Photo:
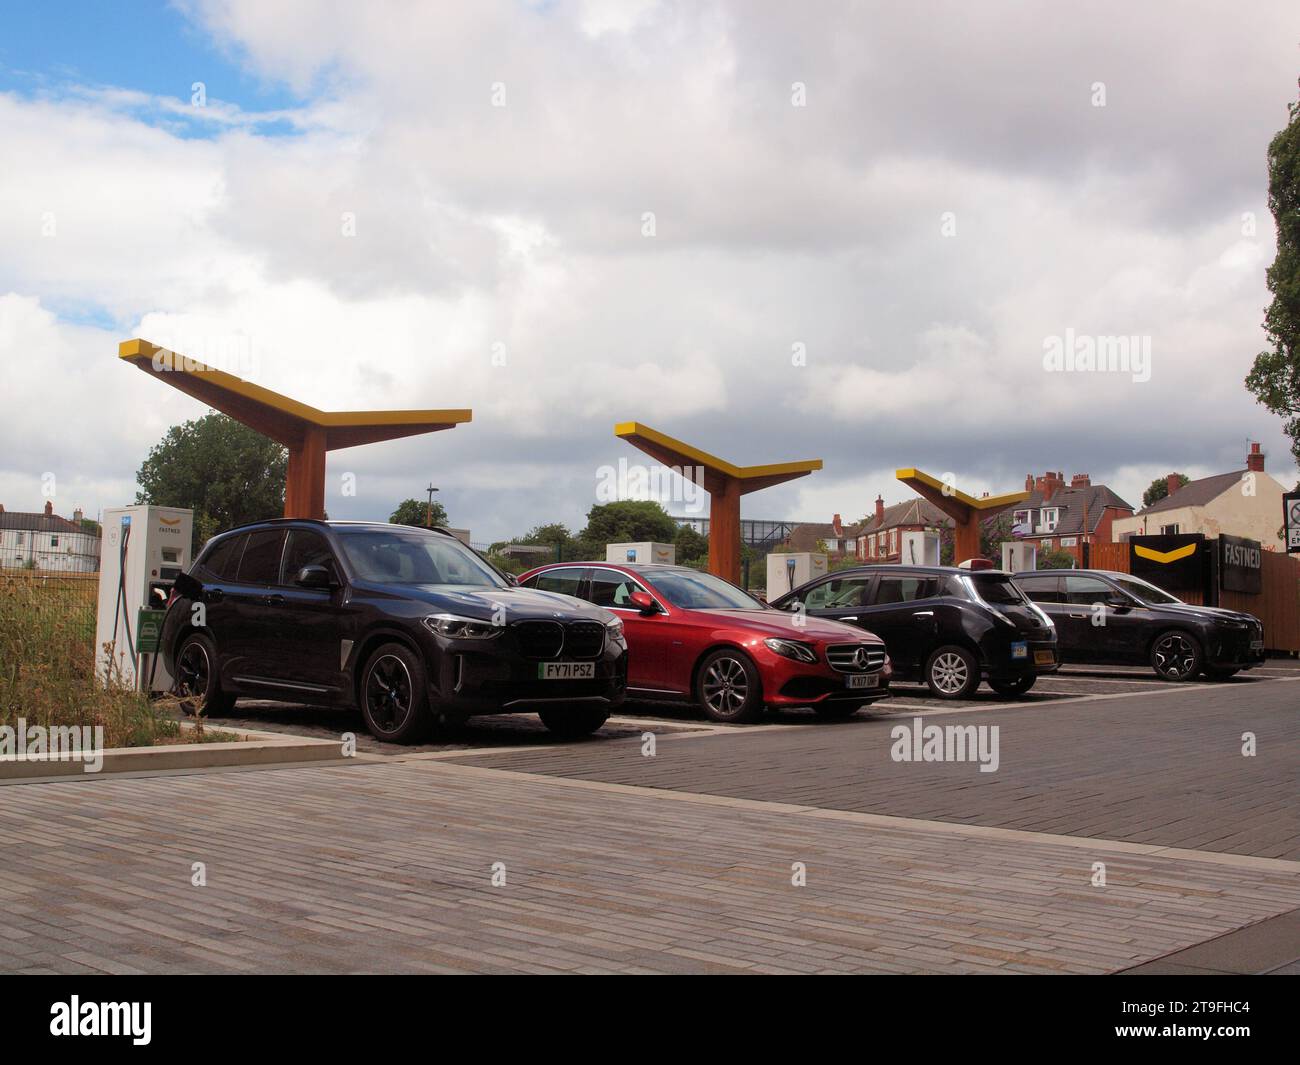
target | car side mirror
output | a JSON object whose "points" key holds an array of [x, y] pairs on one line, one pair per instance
{"points": [[314, 577], [644, 602], [512, 580]]}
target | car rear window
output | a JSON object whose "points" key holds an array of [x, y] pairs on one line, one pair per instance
{"points": [[261, 561], [222, 560], [1041, 589], [1000, 589], [564, 581]]}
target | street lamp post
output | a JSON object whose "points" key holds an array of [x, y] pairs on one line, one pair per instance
{"points": [[428, 510]]}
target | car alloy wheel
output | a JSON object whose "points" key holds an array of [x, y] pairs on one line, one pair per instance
{"points": [[193, 671], [950, 673], [389, 693], [726, 686], [1175, 656]]}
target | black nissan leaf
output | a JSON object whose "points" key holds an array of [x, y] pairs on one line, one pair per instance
{"points": [[943, 625], [408, 625]]}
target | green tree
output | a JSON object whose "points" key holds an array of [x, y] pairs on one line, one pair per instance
{"points": [[415, 512], [224, 471], [1055, 558], [628, 521], [692, 547], [1275, 376], [1159, 488], [554, 533]]}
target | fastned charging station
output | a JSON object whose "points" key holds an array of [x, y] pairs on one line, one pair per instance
{"points": [[145, 549]]}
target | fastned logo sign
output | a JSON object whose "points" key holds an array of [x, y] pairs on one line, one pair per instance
{"points": [[1176, 563], [1241, 563]]}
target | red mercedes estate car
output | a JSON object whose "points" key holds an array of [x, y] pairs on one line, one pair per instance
{"points": [[693, 636]]}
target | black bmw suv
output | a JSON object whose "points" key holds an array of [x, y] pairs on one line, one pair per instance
{"points": [[408, 625], [946, 626], [1109, 617]]}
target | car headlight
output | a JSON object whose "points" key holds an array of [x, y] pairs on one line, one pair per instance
{"points": [[1230, 624], [800, 652], [458, 628], [614, 626]]}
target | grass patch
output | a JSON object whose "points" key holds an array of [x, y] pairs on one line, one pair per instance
{"points": [[47, 658]]}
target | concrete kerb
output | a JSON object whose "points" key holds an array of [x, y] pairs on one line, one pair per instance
{"points": [[252, 749]]}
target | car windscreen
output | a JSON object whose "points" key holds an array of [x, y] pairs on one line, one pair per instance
{"points": [[410, 556], [1147, 593], [701, 591], [997, 590]]}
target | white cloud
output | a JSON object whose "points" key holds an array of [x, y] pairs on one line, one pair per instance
{"points": [[516, 230]]}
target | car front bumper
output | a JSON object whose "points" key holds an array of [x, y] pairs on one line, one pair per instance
{"points": [[470, 677], [787, 682], [1235, 648]]}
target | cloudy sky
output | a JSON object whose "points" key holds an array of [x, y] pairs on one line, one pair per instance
{"points": [[847, 231]]}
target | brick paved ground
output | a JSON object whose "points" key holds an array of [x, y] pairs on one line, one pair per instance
{"points": [[1164, 768], [683, 862], [385, 866]]}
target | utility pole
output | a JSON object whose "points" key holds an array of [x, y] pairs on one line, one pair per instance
{"points": [[428, 510]]}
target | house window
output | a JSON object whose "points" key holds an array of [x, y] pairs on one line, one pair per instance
{"points": [[1169, 530], [1069, 541], [1051, 515], [54, 541], [893, 541], [20, 541]]}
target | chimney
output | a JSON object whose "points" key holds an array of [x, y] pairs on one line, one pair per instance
{"points": [[77, 515], [1255, 460], [49, 508], [1029, 482], [1173, 482], [1081, 480], [2, 508], [837, 526], [1048, 484], [880, 511]]}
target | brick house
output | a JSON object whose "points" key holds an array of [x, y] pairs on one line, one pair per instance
{"points": [[841, 541], [880, 536], [1058, 515]]}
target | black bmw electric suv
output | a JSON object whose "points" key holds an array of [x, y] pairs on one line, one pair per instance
{"points": [[1108, 617], [408, 625], [946, 626]]}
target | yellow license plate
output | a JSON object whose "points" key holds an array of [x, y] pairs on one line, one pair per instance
{"points": [[1044, 658]]}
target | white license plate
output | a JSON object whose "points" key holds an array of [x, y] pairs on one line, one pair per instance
{"points": [[862, 680], [566, 670]]}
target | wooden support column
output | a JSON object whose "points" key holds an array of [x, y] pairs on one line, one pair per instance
{"points": [[306, 432], [724, 530], [304, 486], [724, 481], [965, 511]]}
